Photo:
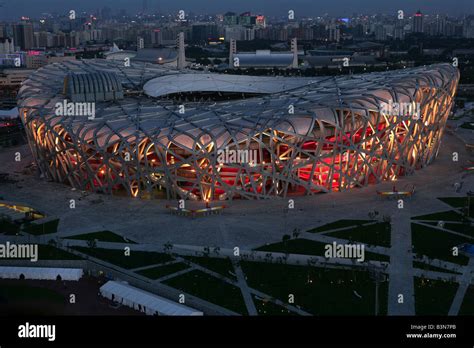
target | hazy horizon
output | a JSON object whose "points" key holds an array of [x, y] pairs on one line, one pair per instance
{"points": [[13, 9]]}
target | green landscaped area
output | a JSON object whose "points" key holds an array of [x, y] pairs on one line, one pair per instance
{"points": [[9, 228], [437, 244], [48, 252], [468, 125], [465, 228], [426, 267], [161, 271], [38, 229], [339, 224], [456, 202], [218, 265], [449, 215], [376, 234], [19, 293], [317, 290], [467, 307], [211, 289], [118, 257], [433, 297], [310, 247], [102, 236], [460, 202], [266, 307]]}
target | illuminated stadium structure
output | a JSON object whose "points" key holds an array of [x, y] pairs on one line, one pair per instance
{"points": [[158, 132]]}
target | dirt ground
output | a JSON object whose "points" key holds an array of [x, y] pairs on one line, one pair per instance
{"points": [[86, 291]]}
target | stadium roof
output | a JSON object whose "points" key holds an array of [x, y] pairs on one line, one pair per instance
{"points": [[264, 60], [146, 299], [315, 98]]}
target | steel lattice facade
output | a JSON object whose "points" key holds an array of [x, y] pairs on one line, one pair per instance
{"points": [[308, 135]]}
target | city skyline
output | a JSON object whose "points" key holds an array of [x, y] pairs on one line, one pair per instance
{"points": [[12, 10]]}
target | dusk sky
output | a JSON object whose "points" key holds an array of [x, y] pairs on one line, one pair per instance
{"points": [[12, 9]]}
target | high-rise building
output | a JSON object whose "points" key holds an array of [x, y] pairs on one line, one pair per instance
{"points": [[6, 46], [181, 54], [231, 18], [203, 32], [380, 32], [334, 33], [23, 35], [3, 31], [468, 27], [418, 22], [399, 30], [156, 37]]}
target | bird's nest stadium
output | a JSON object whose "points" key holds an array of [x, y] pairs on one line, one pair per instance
{"points": [[157, 132]]}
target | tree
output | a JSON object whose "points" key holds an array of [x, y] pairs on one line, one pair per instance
{"points": [[285, 240], [296, 233], [168, 247], [92, 243]]}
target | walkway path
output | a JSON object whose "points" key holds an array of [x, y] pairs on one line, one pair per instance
{"points": [[464, 284], [401, 265], [244, 288]]}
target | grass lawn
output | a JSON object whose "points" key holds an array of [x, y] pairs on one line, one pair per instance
{"points": [[40, 229], [317, 290], [161, 271], [269, 308], [20, 293], [102, 236], [437, 244], [433, 297], [311, 247], [465, 228], [218, 265], [450, 215], [455, 202], [425, 266], [211, 289], [117, 257], [467, 307], [338, 224], [468, 125], [459, 202], [9, 228], [376, 234], [48, 252]]}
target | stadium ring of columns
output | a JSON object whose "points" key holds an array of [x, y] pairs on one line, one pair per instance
{"points": [[305, 135]]}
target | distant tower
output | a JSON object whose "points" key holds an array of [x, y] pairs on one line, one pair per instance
{"points": [[145, 6], [294, 49], [181, 53], [232, 52], [418, 22], [140, 43]]}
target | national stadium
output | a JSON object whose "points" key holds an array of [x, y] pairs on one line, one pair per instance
{"points": [[153, 132]]}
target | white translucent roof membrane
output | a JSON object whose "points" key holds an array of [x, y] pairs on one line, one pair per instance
{"points": [[209, 82]]}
